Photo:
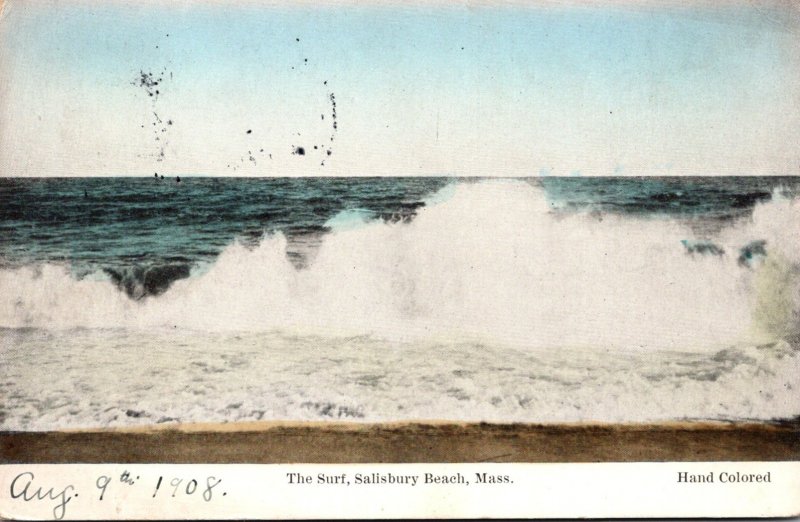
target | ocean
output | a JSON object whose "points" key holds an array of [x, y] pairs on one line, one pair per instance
{"points": [[127, 301]]}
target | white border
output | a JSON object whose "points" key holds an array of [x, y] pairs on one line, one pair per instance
{"points": [[602, 490]]}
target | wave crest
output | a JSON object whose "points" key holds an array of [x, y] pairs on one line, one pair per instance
{"points": [[492, 261]]}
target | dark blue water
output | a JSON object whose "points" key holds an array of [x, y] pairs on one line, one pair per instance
{"points": [[147, 232], [705, 197]]}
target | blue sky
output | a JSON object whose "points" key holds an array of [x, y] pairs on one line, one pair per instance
{"points": [[431, 89]]}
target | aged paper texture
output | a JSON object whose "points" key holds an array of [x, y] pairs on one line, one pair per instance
{"points": [[428, 256]]}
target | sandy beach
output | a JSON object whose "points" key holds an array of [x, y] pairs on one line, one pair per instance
{"points": [[272, 442]]}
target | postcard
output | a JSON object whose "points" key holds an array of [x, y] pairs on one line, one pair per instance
{"points": [[439, 259]]}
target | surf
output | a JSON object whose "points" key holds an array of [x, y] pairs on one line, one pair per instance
{"points": [[492, 261]]}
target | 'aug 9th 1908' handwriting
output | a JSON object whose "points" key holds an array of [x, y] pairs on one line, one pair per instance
{"points": [[25, 488]]}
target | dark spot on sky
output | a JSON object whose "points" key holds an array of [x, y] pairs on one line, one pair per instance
{"points": [[300, 151], [249, 131], [332, 98], [329, 152], [148, 82], [169, 122], [297, 39]]}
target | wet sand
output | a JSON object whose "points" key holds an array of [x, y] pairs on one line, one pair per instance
{"points": [[275, 442]]}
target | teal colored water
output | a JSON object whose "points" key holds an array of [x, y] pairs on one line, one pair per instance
{"points": [[153, 231]]}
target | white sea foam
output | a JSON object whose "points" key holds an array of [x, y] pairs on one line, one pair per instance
{"points": [[96, 377], [489, 305], [489, 261]]}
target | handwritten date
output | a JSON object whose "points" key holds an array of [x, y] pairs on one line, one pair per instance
{"points": [[26, 488]]}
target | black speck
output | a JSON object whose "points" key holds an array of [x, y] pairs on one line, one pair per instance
{"points": [[297, 39], [300, 151], [329, 152], [249, 131]]}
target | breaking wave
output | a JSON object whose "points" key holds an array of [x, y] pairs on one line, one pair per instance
{"points": [[493, 260]]}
